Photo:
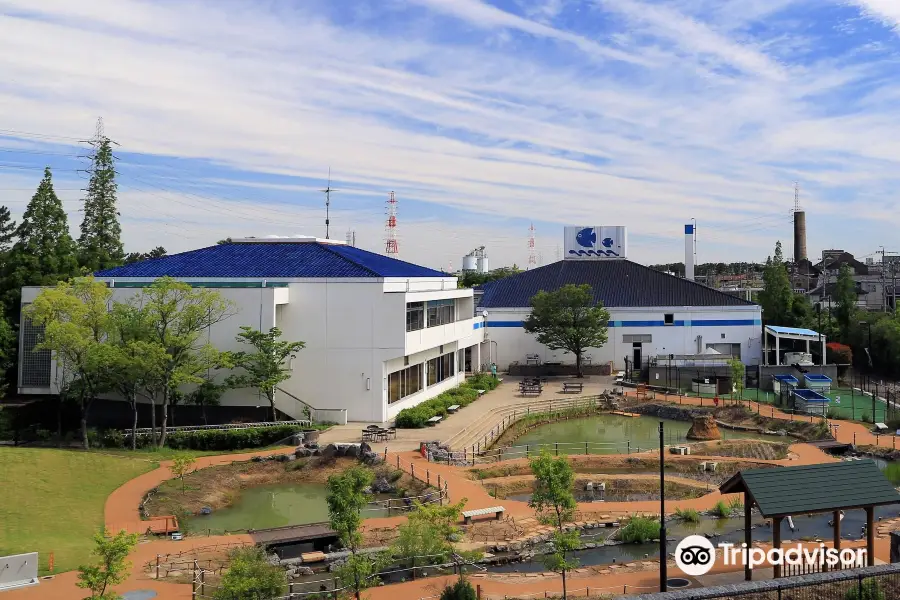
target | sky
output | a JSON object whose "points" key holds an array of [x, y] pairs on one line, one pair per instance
{"points": [[483, 116]]}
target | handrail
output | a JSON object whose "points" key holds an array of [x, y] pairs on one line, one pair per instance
{"points": [[313, 410], [230, 426]]}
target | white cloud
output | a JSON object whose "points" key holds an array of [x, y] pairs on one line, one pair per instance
{"points": [[886, 11]]}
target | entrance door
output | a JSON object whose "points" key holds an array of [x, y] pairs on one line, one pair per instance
{"points": [[636, 356]]}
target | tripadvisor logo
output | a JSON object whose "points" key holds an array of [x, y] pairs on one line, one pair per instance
{"points": [[695, 555]]}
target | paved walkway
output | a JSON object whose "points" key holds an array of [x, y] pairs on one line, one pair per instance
{"points": [[121, 511]]}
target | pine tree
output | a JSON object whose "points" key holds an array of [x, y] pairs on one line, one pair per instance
{"points": [[100, 244], [44, 252], [7, 230], [777, 297]]}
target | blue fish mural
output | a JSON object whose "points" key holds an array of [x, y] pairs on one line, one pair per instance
{"points": [[586, 238], [607, 242]]}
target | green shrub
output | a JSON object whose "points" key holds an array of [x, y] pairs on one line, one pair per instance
{"points": [[870, 591], [207, 439], [461, 590], [112, 438], [482, 381], [722, 510], [865, 417], [688, 515], [639, 530], [417, 416]]}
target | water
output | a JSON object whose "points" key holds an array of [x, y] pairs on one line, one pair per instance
{"points": [[610, 434], [720, 530], [890, 469], [273, 506]]}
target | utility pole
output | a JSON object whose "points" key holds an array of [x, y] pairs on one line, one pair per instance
{"points": [[328, 191], [663, 567], [883, 288]]}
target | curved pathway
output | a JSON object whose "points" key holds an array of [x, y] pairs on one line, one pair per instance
{"points": [[121, 512]]}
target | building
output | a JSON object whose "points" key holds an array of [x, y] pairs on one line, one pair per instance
{"points": [[651, 313], [381, 334]]}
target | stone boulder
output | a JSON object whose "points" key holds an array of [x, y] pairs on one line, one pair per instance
{"points": [[330, 451], [303, 452], [704, 428]]}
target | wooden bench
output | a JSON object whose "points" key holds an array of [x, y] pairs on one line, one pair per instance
{"points": [[435, 420], [453, 408], [530, 390], [573, 386], [497, 511]]}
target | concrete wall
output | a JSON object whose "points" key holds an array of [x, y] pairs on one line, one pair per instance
{"points": [[355, 335], [716, 325]]}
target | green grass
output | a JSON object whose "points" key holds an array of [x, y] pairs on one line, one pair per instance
{"points": [[688, 515], [52, 500], [639, 530]]}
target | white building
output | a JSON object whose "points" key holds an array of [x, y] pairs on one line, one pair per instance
{"points": [[381, 334], [651, 313]]}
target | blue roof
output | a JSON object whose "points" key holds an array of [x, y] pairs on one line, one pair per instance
{"points": [[816, 377], [273, 259], [792, 330]]}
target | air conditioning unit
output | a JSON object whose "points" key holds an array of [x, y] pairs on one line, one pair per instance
{"points": [[712, 466]]}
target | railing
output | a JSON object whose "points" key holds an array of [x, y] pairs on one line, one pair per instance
{"points": [[231, 426], [322, 415]]}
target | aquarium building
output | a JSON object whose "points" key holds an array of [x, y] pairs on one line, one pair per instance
{"points": [[381, 334]]}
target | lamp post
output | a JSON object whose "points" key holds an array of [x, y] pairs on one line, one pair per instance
{"points": [[819, 329], [662, 511], [869, 355]]}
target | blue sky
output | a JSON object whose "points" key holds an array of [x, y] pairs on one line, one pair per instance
{"points": [[482, 115]]}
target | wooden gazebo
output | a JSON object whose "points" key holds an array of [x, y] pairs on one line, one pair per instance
{"points": [[782, 492]]}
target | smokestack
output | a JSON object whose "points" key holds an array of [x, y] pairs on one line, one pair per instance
{"points": [[800, 236], [689, 251]]}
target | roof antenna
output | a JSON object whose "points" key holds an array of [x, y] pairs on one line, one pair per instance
{"points": [[328, 191]]}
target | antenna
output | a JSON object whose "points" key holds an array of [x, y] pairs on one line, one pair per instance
{"points": [[390, 228], [328, 191], [532, 259], [351, 238]]}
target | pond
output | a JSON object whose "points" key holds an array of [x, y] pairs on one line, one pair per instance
{"points": [[273, 506], [890, 469], [611, 434]]}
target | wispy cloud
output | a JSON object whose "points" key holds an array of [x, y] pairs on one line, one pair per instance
{"points": [[482, 116]]}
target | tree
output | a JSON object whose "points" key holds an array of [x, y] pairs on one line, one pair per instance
{"points": [[182, 465], [111, 568], [777, 295], [347, 496], [555, 504], [845, 298], [100, 244], [737, 376], [76, 324], [7, 231], [568, 319], [44, 252], [206, 394], [225, 241], [265, 368], [426, 533], [134, 257], [177, 315], [251, 577], [460, 590]]}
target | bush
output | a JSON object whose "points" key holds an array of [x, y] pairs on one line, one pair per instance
{"points": [[482, 381], [208, 439], [836, 353], [688, 515], [870, 591], [417, 416], [461, 590], [639, 530], [865, 418]]}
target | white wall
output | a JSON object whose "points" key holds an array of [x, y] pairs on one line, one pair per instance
{"points": [[513, 343]]}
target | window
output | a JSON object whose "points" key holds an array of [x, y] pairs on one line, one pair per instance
{"points": [[637, 338], [669, 319], [415, 316], [440, 368], [35, 364], [404, 383], [441, 312]]}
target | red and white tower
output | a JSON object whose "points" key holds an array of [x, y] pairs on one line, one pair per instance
{"points": [[532, 259], [390, 228]]}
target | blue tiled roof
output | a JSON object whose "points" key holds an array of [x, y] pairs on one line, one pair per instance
{"points": [[615, 283], [792, 330], [276, 259]]}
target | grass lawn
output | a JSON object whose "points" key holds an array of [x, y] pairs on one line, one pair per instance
{"points": [[52, 500]]}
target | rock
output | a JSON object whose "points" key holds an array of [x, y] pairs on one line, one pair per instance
{"points": [[516, 546], [311, 437], [283, 457], [590, 545], [382, 486], [329, 451], [206, 510], [351, 451], [364, 447], [302, 452], [304, 571], [370, 458], [290, 457], [311, 445], [704, 427], [273, 560], [455, 537], [258, 459]]}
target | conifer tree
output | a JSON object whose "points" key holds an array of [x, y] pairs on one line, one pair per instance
{"points": [[100, 244], [44, 252], [7, 231]]}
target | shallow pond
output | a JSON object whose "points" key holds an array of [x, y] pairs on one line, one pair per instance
{"points": [[273, 506], [615, 434]]}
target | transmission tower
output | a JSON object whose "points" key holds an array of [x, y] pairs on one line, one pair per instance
{"points": [[532, 258], [390, 228]]}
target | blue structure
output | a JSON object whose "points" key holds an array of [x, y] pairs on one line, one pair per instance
{"points": [[814, 381], [810, 402], [786, 381]]}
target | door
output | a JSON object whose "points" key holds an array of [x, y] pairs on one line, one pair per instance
{"points": [[636, 356]]}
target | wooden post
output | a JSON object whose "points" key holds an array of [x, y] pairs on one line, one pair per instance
{"points": [[157, 567], [748, 535], [398, 462], [194, 582], [439, 481], [776, 543], [478, 591], [202, 583], [837, 530], [427, 477], [870, 536]]}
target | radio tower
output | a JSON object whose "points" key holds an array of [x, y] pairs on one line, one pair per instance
{"points": [[532, 259], [390, 228]]}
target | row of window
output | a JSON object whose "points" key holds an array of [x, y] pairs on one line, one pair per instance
{"points": [[438, 312], [409, 380]]}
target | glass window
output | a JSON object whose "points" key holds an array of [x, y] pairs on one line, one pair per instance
{"points": [[405, 382], [415, 316], [441, 312], [440, 368]]}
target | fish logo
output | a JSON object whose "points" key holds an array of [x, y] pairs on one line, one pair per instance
{"points": [[607, 242], [587, 237]]}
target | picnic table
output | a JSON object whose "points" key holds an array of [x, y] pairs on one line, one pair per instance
{"points": [[530, 389], [573, 386]]}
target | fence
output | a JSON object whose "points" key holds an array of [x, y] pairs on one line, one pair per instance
{"points": [[231, 426]]}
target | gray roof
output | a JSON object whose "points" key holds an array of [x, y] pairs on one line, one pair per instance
{"points": [[616, 283], [818, 488]]}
